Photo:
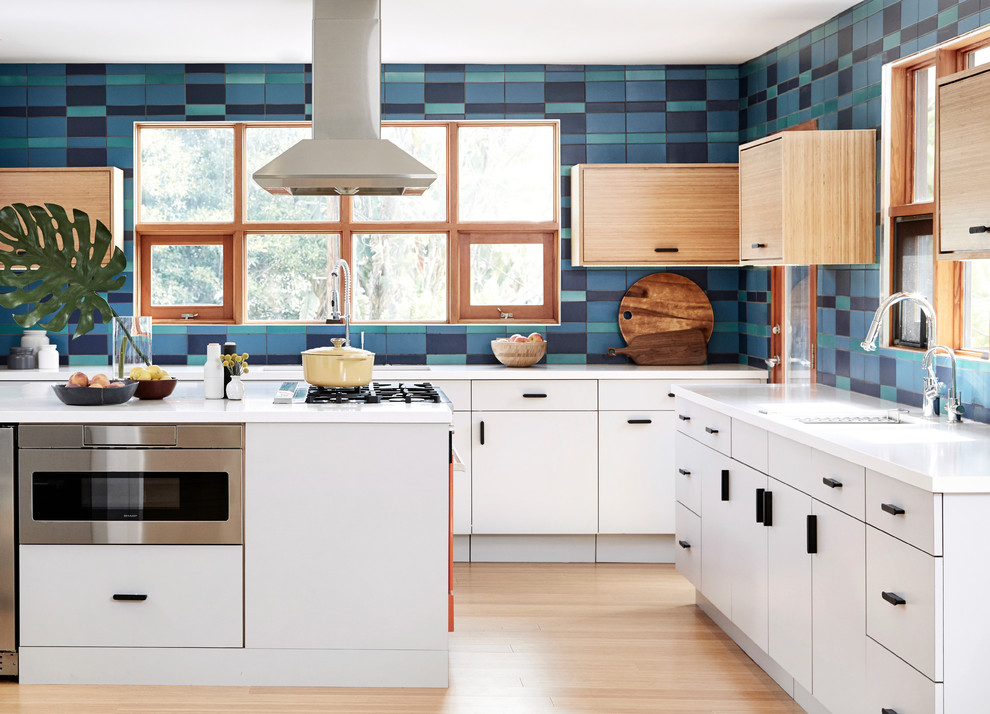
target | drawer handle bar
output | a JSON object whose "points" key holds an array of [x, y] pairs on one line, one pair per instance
{"points": [[758, 245], [831, 482], [892, 509], [684, 544], [534, 396], [481, 432], [768, 508], [670, 394], [760, 505], [639, 421], [978, 229], [129, 597], [812, 534], [893, 598], [725, 484], [683, 472], [684, 417], [710, 430], [665, 250], [886, 710]]}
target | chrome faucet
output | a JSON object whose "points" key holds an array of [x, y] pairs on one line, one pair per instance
{"points": [[929, 398], [933, 387], [333, 314]]}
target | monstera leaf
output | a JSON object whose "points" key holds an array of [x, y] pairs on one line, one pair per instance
{"points": [[54, 264]]}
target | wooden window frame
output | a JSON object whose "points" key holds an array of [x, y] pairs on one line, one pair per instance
{"points": [[223, 313], [346, 227]]}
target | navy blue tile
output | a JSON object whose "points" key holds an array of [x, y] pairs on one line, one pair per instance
{"points": [[206, 94], [198, 343], [445, 344], [86, 157], [86, 95], [687, 153], [442, 92], [86, 126], [686, 90]]}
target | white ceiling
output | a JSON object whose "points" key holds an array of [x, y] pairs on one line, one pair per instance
{"points": [[420, 31]]}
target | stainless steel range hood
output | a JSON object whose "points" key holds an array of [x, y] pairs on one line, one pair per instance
{"points": [[346, 155]]}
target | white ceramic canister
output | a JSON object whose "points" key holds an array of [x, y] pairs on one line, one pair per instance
{"points": [[35, 339], [213, 372], [48, 358]]}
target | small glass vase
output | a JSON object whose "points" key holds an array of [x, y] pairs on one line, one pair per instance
{"points": [[235, 387], [131, 345]]}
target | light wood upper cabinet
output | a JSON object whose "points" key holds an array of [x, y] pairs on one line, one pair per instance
{"points": [[962, 165], [99, 191], [654, 214], [808, 197]]}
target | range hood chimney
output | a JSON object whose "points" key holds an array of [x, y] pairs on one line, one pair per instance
{"points": [[346, 155]]}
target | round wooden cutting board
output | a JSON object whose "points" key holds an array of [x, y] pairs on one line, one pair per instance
{"points": [[664, 302]]}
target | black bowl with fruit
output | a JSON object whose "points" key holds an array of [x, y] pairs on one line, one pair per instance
{"points": [[81, 391]]}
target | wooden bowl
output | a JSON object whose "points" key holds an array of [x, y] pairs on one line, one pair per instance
{"points": [[155, 388], [519, 354]]}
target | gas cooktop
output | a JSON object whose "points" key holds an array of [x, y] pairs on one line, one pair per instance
{"points": [[374, 393]]}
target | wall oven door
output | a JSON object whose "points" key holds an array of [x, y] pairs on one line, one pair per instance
{"points": [[130, 495]]}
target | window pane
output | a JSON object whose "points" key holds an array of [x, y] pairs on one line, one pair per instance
{"points": [[399, 277], [924, 134], [186, 275], [978, 57], [428, 144], [506, 173], [506, 274], [287, 275], [262, 144], [187, 175], [976, 325], [914, 272]]}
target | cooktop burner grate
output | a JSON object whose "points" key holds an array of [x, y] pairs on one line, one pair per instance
{"points": [[375, 393]]}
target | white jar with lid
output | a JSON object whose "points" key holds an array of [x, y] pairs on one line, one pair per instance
{"points": [[213, 372], [34, 339], [48, 358]]}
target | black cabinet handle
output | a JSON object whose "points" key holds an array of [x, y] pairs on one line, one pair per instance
{"points": [[758, 245], [760, 502], [885, 710], [684, 417], [670, 394], [831, 482], [893, 598], [768, 508], [978, 229], [639, 421], [812, 534], [481, 432], [710, 430], [665, 250], [534, 396], [683, 472], [892, 509], [129, 596], [684, 544], [725, 484]]}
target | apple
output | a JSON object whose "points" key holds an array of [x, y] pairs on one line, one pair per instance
{"points": [[99, 380], [502, 339], [115, 384], [79, 379], [518, 338], [535, 337]]}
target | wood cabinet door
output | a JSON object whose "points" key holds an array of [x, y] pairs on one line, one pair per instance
{"points": [[636, 472], [761, 202], [716, 528], [962, 186], [535, 472], [789, 583], [749, 552], [839, 611]]}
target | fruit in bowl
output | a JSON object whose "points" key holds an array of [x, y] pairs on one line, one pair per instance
{"points": [[153, 382], [97, 391], [521, 352]]}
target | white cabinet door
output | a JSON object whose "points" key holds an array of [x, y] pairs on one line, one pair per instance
{"points": [[789, 582], [747, 489], [839, 611], [535, 472], [462, 479], [716, 528], [636, 472]]}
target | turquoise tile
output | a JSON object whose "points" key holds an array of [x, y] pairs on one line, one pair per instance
{"points": [[404, 329], [283, 329], [446, 359], [566, 359]]}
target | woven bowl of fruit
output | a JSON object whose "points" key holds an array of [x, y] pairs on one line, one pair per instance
{"points": [[153, 382], [519, 351]]}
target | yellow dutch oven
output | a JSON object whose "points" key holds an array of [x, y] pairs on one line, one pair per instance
{"points": [[337, 366]]}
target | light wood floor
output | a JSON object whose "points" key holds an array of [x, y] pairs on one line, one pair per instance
{"points": [[530, 639]]}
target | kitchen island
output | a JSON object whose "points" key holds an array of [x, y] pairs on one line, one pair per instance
{"points": [[340, 579]]}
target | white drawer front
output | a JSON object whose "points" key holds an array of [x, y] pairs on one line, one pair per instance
{"points": [[893, 685], [690, 459], [839, 483], [194, 596], [911, 630], [535, 395], [708, 426], [458, 391], [642, 394], [688, 538], [906, 512], [788, 461], [749, 445]]}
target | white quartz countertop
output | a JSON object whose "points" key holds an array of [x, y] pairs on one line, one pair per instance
{"points": [[35, 402], [423, 373], [927, 453]]}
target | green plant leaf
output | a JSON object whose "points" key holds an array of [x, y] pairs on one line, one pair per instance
{"points": [[54, 264]]}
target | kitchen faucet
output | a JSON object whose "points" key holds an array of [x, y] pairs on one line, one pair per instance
{"points": [[929, 392], [333, 315], [953, 409]]}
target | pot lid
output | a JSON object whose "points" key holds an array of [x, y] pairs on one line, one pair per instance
{"points": [[339, 350]]}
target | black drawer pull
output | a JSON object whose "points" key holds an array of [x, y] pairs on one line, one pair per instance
{"points": [[129, 596], [665, 250], [977, 229], [683, 472], [639, 421], [885, 710], [892, 509], [481, 432], [534, 396], [711, 430], [725, 484], [768, 508], [893, 598], [670, 394], [812, 534], [684, 417], [684, 544], [760, 501], [831, 482], [758, 245]]}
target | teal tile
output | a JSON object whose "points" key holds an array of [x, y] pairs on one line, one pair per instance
{"points": [[448, 108], [196, 360], [573, 295], [246, 329], [947, 17], [120, 142], [888, 393], [606, 327], [168, 329], [46, 142], [686, 106], [166, 79], [41, 80], [565, 107], [842, 383], [651, 138], [645, 74], [246, 78], [566, 359], [482, 329], [100, 111], [514, 76], [804, 77], [892, 40], [7, 80], [600, 75], [286, 77], [493, 77], [845, 61], [403, 329], [201, 109], [841, 302], [606, 138], [88, 360], [283, 329], [722, 73], [406, 77], [126, 79], [446, 359]]}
